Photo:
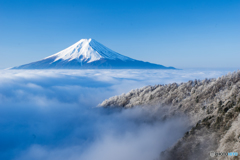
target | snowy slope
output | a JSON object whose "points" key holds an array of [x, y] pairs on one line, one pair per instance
{"points": [[89, 54], [87, 50]]}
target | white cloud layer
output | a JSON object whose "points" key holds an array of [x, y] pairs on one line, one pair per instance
{"points": [[52, 115]]}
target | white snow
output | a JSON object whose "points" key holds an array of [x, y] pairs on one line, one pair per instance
{"points": [[87, 50]]}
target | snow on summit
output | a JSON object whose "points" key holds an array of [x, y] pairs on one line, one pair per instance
{"points": [[87, 50], [89, 54]]}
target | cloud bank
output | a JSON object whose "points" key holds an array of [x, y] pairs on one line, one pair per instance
{"points": [[53, 115]]}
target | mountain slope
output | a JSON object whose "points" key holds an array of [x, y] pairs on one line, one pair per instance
{"points": [[213, 106], [89, 54]]}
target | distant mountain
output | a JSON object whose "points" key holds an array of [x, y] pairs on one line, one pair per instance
{"points": [[89, 54]]}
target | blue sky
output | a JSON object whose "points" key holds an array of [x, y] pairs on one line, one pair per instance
{"points": [[179, 33]]}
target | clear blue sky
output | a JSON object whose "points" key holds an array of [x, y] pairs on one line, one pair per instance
{"points": [[179, 33]]}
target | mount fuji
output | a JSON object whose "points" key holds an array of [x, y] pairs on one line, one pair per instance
{"points": [[89, 54]]}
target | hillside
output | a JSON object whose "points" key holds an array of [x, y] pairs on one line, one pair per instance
{"points": [[213, 106]]}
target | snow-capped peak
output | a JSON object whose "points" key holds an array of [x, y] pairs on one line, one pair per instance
{"points": [[87, 50]]}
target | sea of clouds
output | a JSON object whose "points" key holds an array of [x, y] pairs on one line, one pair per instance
{"points": [[53, 114]]}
